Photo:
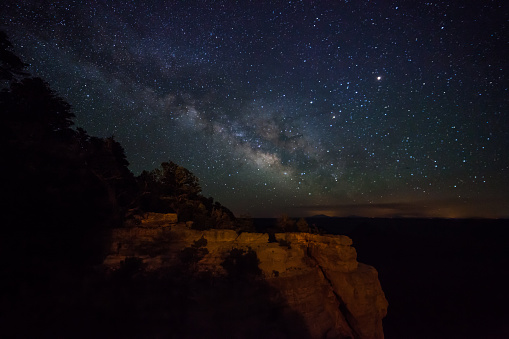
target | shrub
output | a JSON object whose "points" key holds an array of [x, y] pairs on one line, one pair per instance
{"points": [[285, 223], [302, 225], [193, 254], [241, 264], [129, 267]]}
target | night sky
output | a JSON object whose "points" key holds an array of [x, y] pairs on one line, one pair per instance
{"points": [[367, 108]]}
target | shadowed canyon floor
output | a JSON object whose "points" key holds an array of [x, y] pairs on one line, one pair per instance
{"points": [[442, 278]]}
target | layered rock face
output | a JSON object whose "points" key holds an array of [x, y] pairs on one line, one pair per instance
{"points": [[318, 275]]}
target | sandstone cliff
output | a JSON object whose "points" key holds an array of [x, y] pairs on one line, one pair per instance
{"points": [[317, 275]]}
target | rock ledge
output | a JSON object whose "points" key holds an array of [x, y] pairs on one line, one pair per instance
{"points": [[318, 275]]}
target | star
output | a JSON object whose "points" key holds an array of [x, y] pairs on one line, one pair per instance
{"points": [[230, 93]]}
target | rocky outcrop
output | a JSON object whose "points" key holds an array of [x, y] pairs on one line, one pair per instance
{"points": [[318, 275], [158, 219]]}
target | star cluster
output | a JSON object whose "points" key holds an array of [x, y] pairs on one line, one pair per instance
{"points": [[349, 107]]}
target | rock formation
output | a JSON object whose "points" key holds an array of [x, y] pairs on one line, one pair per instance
{"points": [[318, 275]]}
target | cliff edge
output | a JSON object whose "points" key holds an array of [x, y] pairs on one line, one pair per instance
{"points": [[317, 275]]}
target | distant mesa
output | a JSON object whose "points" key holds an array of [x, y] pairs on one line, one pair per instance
{"points": [[352, 216], [320, 216]]}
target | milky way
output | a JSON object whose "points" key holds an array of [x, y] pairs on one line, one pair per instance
{"points": [[342, 108]]}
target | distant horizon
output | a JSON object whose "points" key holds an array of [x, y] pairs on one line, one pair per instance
{"points": [[437, 210], [360, 217], [440, 209]]}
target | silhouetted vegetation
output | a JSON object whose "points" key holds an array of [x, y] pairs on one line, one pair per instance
{"points": [[242, 264], [62, 191], [11, 66], [129, 268], [64, 188], [190, 256], [302, 225], [286, 224], [174, 188]]}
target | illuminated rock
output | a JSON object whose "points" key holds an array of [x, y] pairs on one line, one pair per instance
{"points": [[318, 275], [159, 219]]}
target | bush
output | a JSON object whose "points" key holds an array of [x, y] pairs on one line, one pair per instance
{"points": [[242, 264], [130, 267], [285, 223], [302, 225], [192, 255]]}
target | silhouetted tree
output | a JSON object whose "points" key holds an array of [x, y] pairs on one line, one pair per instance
{"points": [[285, 223], [34, 116], [222, 216], [107, 161], [190, 256], [302, 225], [171, 182], [242, 264], [174, 188], [63, 186], [10, 64]]}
